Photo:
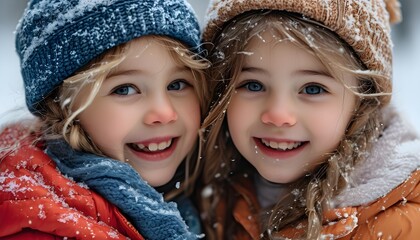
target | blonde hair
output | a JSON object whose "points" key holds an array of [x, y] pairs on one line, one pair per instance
{"points": [[59, 118], [317, 189]]}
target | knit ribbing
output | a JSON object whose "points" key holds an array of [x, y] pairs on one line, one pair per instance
{"points": [[364, 25], [56, 38], [120, 184]]}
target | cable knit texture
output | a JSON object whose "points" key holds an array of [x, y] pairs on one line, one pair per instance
{"points": [[121, 185], [364, 25], [55, 38]]}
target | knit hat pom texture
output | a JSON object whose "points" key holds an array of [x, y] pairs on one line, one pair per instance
{"points": [[55, 38], [363, 24]]}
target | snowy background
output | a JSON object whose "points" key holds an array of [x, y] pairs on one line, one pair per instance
{"points": [[406, 60]]}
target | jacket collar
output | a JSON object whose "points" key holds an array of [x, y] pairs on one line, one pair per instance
{"points": [[337, 222], [393, 158]]}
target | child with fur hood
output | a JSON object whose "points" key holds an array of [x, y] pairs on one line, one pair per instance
{"points": [[301, 141]]}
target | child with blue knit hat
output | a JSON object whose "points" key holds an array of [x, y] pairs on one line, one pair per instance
{"points": [[116, 88], [321, 153]]}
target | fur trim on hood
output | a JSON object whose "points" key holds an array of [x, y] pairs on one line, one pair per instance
{"points": [[394, 156]]}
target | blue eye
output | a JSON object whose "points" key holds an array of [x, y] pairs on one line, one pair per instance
{"points": [[313, 89], [177, 85], [124, 90], [253, 86]]}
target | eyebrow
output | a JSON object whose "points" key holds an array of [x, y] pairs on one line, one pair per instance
{"points": [[254, 70], [299, 72], [314, 73], [129, 72], [123, 72]]}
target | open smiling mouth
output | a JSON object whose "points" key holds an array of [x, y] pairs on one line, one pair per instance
{"points": [[153, 147], [280, 146]]}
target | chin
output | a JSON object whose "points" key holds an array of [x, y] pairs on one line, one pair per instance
{"points": [[279, 178], [158, 179], [157, 182]]}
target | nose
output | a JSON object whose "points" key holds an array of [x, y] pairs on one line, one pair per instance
{"points": [[160, 111], [279, 112]]}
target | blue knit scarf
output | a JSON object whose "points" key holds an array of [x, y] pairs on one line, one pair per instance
{"points": [[120, 184]]}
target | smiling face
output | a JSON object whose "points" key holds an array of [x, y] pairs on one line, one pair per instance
{"points": [[146, 112], [287, 113]]}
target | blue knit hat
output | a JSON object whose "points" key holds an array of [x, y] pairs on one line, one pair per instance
{"points": [[55, 38]]}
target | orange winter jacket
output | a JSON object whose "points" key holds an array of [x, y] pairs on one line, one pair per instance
{"points": [[37, 202], [394, 216], [382, 202]]}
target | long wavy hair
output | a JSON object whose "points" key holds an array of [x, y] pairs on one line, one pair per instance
{"points": [[59, 116], [316, 189]]}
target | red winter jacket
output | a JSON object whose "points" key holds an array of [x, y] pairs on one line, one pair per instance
{"points": [[38, 202]]}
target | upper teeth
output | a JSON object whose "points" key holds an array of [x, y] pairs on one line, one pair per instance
{"points": [[281, 145], [155, 146]]}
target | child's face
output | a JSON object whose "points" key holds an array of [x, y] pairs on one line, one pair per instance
{"points": [[287, 112], [146, 113]]}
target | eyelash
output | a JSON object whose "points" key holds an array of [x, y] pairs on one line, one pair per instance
{"points": [[114, 91], [181, 81], [321, 89], [127, 86], [246, 85]]}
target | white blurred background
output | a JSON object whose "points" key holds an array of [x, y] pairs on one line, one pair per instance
{"points": [[406, 36]]}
